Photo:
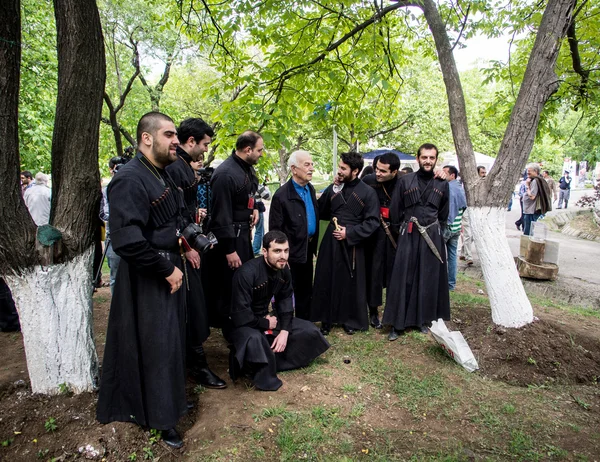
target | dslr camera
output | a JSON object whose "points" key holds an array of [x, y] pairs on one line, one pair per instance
{"points": [[197, 240]]}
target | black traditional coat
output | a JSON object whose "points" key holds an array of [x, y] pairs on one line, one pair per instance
{"points": [[340, 290], [254, 285], [197, 320], [380, 250], [143, 372], [418, 291], [233, 186]]}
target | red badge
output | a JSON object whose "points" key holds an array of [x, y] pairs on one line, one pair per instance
{"points": [[251, 203], [410, 223], [385, 212]]}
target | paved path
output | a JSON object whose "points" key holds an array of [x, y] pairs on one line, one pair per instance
{"points": [[578, 258]]}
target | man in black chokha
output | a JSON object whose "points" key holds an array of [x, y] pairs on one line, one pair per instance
{"points": [[381, 247], [143, 372], [340, 290], [194, 137], [263, 342], [419, 211], [233, 214]]}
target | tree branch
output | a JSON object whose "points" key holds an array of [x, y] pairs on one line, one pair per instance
{"points": [[577, 66]]}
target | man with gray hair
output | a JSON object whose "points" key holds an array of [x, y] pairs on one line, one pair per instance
{"points": [[37, 198], [536, 200], [295, 212]]}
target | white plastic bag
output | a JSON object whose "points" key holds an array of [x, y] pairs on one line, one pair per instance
{"points": [[454, 344]]}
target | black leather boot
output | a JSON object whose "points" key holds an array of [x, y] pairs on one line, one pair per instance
{"points": [[374, 318], [201, 373], [393, 335], [172, 438]]}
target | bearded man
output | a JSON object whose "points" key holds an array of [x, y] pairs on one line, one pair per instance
{"points": [[340, 290], [382, 244], [234, 213], [264, 342], [419, 211], [143, 373]]}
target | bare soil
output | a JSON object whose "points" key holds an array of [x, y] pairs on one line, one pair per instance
{"points": [[559, 353]]}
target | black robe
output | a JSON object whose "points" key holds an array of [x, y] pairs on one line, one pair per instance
{"points": [[9, 318], [197, 316], [254, 285], [340, 289], [233, 186], [380, 250], [418, 292], [143, 372]]}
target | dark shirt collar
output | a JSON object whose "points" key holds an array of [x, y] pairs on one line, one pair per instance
{"points": [[245, 165], [425, 175], [184, 155]]}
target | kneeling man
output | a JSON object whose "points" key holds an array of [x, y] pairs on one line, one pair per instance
{"points": [[264, 343]]}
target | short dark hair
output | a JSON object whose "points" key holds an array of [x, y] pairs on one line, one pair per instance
{"points": [[194, 127], [274, 236], [546, 172], [427, 146], [353, 159], [114, 161], [391, 159], [248, 139], [149, 124], [480, 167], [407, 170], [375, 160], [452, 170], [27, 174]]}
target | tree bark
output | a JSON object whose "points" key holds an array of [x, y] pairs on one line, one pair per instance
{"points": [[75, 173], [17, 229]]}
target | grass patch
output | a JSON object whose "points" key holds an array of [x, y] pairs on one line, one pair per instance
{"points": [[416, 393], [305, 435], [544, 302], [462, 299]]}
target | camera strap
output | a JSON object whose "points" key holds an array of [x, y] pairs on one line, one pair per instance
{"points": [[184, 260]]}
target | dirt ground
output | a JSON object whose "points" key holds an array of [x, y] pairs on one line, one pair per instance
{"points": [[394, 401]]}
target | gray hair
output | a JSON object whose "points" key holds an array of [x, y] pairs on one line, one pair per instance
{"points": [[293, 160], [534, 166], [41, 178]]}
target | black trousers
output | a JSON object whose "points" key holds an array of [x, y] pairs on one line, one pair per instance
{"points": [[302, 282]]}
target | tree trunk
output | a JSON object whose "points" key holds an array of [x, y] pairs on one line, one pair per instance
{"points": [[488, 197], [17, 229], [55, 311], [282, 168], [52, 285], [509, 302]]}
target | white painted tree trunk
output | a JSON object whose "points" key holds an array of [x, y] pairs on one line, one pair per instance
{"points": [[55, 311], [509, 302]]}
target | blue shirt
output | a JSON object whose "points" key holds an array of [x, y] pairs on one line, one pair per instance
{"points": [[311, 218]]}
